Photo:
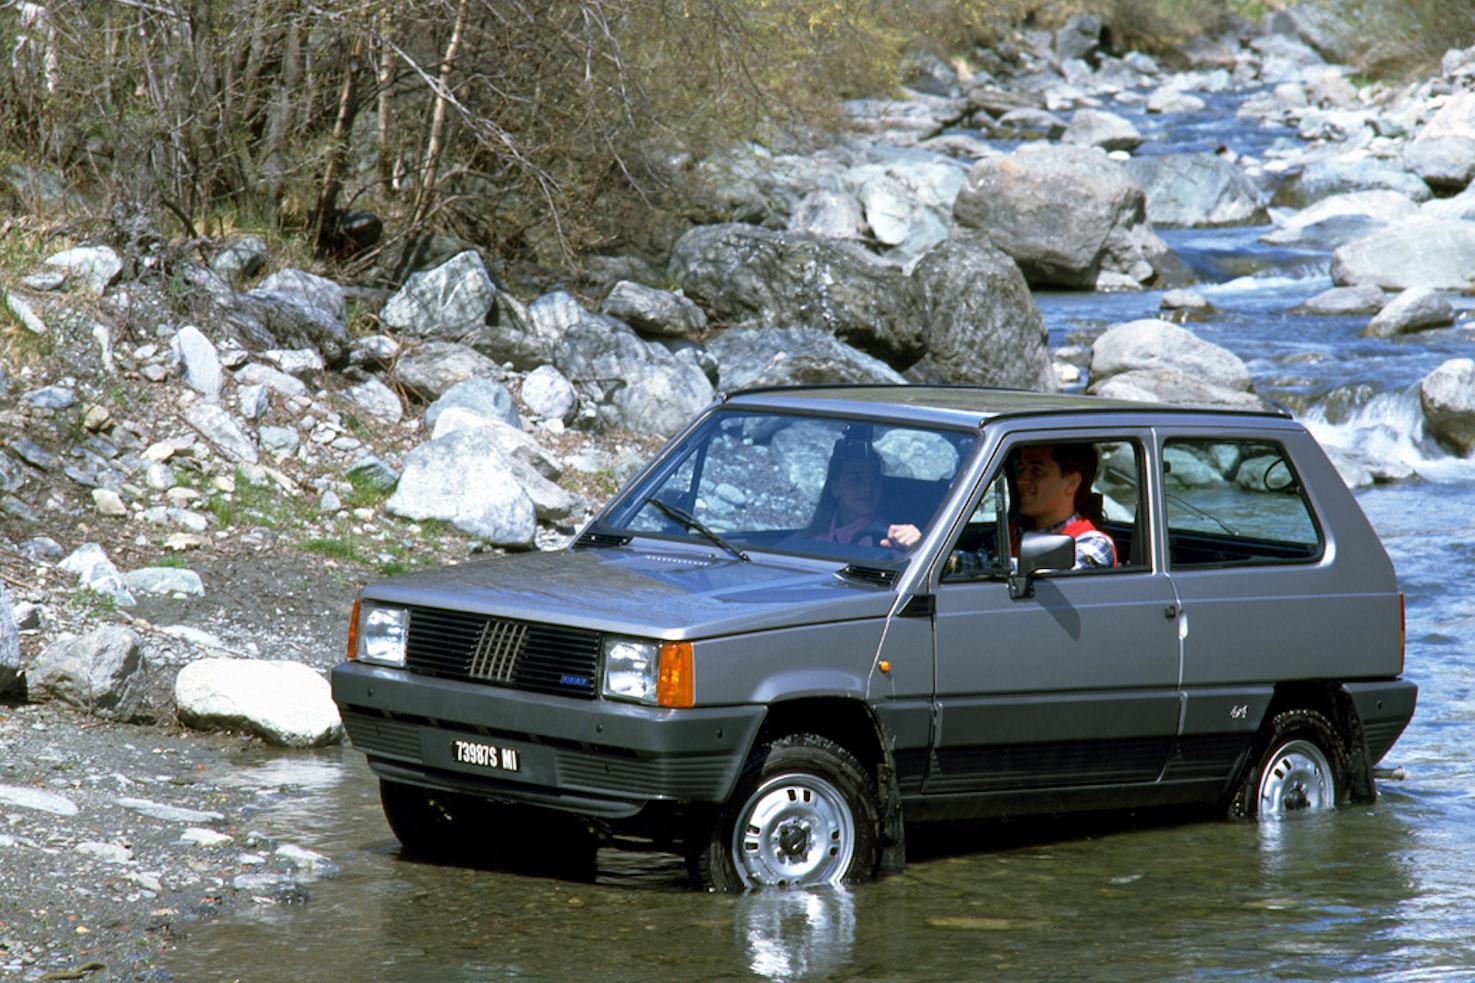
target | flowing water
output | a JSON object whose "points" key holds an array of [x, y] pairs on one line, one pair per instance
{"points": [[1379, 892]]}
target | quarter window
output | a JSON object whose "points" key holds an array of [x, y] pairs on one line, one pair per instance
{"points": [[1234, 502]]}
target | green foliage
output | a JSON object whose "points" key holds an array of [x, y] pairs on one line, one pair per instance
{"points": [[366, 492], [85, 600], [1406, 37]]}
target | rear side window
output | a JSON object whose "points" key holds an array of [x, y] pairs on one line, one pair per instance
{"points": [[1235, 502]]}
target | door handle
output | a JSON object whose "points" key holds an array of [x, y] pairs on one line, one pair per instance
{"points": [[1170, 612]]}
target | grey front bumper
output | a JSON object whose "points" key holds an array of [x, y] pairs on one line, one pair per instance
{"points": [[595, 757]]}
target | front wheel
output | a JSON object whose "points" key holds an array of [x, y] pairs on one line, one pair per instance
{"points": [[1300, 767], [804, 814]]}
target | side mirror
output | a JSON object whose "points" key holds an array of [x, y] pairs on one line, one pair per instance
{"points": [[1040, 551]]}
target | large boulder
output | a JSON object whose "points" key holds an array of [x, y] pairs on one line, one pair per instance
{"points": [[1196, 190], [1456, 118], [651, 311], [431, 370], [1066, 215], [463, 479], [484, 397], [1417, 309], [9, 643], [1417, 252], [531, 466], [908, 202], [1339, 301], [831, 214], [1153, 360], [283, 703], [1445, 163], [96, 266], [1340, 219], [744, 273], [299, 310], [448, 303], [1340, 175], [637, 384], [1098, 128], [749, 357], [981, 325], [1447, 396], [98, 672]]}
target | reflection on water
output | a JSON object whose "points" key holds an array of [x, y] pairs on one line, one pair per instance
{"points": [[789, 935]]}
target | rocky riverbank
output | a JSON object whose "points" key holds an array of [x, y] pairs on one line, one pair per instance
{"points": [[202, 457]]}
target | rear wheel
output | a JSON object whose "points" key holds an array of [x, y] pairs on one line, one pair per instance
{"points": [[804, 814], [1300, 766]]}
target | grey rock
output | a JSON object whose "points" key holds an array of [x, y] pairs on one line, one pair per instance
{"points": [[12, 474], [1339, 219], [980, 322], [164, 580], [253, 400], [240, 259], [34, 454], [50, 398], [1456, 118], [300, 363], [284, 703], [1098, 128], [1065, 214], [109, 502], [44, 281], [1336, 176], [744, 273], [1170, 99], [158, 476], [112, 853], [1196, 190], [42, 548], [1173, 386], [300, 310], [256, 374], [329, 502], [1029, 123], [1417, 252], [374, 351], [167, 813], [464, 480], [314, 291], [222, 431], [201, 364], [832, 214], [430, 370], [279, 440], [20, 797], [1151, 345], [1447, 396], [483, 397], [377, 400], [9, 643], [94, 571], [749, 357], [1184, 300], [548, 394], [1460, 206], [274, 888], [97, 672], [1416, 309], [1366, 299], [308, 863], [1078, 37], [531, 465], [655, 312], [373, 472], [1445, 163], [448, 303], [908, 202], [24, 312], [639, 385], [95, 266]]}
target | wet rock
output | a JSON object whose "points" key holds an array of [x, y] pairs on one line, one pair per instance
{"points": [[271, 888], [1185, 300], [1065, 214], [655, 312], [1445, 163], [1339, 219], [1417, 252], [377, 400], [164, 580], [240, 259], [981, 324], [1340, 175], [448, 303], [432, 369], [94, 571], [831, 214], [1366, 299], [222, 431], [742, 273], [96, 266], [284, 703], [1196, 190], [1417, 309], [97, 672], [201, 364], [481, 396], [9, 643], [38, 799], [1097, 128], [1171, 99], [1147, 350], [308, 863], [638, 384], [748, 357], [1447, 396], [548, 394], [464, 480]]}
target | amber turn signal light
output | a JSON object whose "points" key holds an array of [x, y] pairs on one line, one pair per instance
{"points": [[675, 686], [353, 631]]}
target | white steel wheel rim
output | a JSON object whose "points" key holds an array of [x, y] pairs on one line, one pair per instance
{"points": [[1298, 778], [795, 830]]}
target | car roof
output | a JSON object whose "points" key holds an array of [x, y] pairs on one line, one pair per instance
{"points": [[970, 406]]}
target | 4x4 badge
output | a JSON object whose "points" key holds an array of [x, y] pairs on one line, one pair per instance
{"points": [[1240, 712]]}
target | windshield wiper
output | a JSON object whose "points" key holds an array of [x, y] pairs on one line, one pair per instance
{"points": [[692, 522]]}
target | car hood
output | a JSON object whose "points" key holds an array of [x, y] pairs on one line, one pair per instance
{"points": [[670, 594]]}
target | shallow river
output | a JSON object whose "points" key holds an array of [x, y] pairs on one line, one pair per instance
{"points": [[1380, 892]]}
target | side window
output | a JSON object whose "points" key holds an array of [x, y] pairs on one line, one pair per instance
{"points": [[1235, 502], [1034, 490]]}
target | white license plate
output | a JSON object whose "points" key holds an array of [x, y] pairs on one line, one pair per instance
{"points": [[485, 755]]}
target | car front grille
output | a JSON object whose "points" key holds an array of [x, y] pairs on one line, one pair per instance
{"points": [[502, 652]]}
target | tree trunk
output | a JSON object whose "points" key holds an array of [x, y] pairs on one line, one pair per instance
{"points": [[326, 215], [434, 145]]}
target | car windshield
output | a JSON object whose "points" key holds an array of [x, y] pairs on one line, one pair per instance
{"points": [[810, 485]]}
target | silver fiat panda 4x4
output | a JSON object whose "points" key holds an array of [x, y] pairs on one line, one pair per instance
{"points": [[821, 614]]}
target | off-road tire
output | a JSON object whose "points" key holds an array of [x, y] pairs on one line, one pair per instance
{"points": [[1298, 764]]}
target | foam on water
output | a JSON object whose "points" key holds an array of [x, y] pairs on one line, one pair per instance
{"points": [[1388, 431]]}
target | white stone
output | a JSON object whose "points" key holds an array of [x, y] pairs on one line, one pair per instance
{"points": [[285, 703], [108, 502], [197, 354], [113, 853], [463, 479], [19, 797], [96, 265], [377, 400], [164, 580], [168, 813], [208, 838], [548, 394]]}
